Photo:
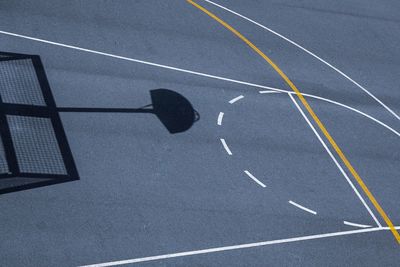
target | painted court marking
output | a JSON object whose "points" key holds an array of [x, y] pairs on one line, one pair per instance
{"points": [[302, 207], [220, 117], [254, 178], [278, 90], [236, 99], [357, 224], [352, 109], [308, 52], [268, 92], [311, 112], [290, 94], [188, 72], [335, 161], [212, 250], [226, 146], [236, 247], [182, 70]]}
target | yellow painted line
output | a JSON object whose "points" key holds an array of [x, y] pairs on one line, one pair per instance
{"points": [[313, 115]]}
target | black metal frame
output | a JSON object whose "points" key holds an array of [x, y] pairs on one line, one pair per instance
{"points": [[49, 111]]}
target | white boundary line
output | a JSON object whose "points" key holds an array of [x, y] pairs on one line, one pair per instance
{"points": [[302, 207], [352, 109], [357, 224], [254, 178], [191, 72], [236, 99], [236, 247], [336, 162], [226, 147], [220, 117], [339, 104], [310, 53], [135, 60]]}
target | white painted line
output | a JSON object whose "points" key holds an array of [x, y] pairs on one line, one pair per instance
{"points": [[190, 72], [220, 117], [357, 224], [254, 178], [352, 109], [235, 99], [336, 162], [388, 228], [310, 53], [226, 146], [268, 92], [236, 247], [302, 207], [341, 105], [138, 61]]}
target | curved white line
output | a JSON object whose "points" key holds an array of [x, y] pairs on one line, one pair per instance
{"points": [[277, 90], [352, 109], [269, 92], [356, 224], [254, 178], [226, 147], [310, 53], [339, 104], [184, 71], [220, 117], [302, 207], [235, 99]]}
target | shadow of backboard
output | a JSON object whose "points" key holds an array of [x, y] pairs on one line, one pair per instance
{"points": [[34, 150]]}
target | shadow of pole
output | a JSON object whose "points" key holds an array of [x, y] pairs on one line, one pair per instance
{"points": [[174, 111]]}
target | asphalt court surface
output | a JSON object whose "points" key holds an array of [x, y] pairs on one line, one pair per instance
{"points": [[145, 192]]}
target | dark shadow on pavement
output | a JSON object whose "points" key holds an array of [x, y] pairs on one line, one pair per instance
{"points": [[173, 110], [34, 150]]}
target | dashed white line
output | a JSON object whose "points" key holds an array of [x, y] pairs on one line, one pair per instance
{"points": [[302, 207], [220, 117], [335, 161], [268, 92], [310, 53], [226, 146], [357, 224], [236, 247], [254, 178], [235, 99]]}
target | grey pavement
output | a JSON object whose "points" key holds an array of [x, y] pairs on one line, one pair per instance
{"points": [[144, 192]]}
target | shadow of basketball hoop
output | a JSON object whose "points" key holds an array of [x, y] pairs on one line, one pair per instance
{"points": [[34, 151], [173, 110]]}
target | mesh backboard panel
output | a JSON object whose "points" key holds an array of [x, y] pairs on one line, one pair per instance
{"points": [[19, 83], [34, 151], [3, 159], [36, 145]]}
